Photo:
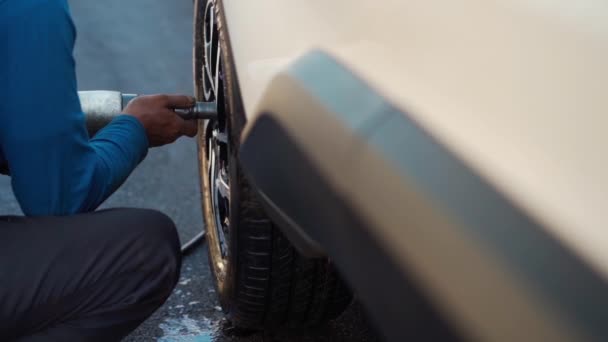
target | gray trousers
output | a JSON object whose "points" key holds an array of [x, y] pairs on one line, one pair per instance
{"points": [[89, 277]]}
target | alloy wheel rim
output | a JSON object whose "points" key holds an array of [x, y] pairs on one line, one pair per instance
{"points": [[217, 133]]}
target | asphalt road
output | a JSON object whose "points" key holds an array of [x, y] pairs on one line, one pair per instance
{"points": [[144, 46]]}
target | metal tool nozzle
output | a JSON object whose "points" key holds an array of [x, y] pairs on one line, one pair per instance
{"points": [[200, 111]]}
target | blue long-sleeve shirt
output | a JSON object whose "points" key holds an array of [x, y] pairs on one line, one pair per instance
{"points": [[55, 168]]}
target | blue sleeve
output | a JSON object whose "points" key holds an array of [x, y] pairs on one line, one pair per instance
{"points": [[55, 168]]}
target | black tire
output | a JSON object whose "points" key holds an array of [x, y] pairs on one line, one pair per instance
{"points": [[263, 283]]}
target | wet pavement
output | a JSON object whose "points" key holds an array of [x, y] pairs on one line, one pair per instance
{"points": [[192, 314], [144, 46]]}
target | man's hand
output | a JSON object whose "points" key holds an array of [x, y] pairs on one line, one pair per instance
{"points": [[155, 112]]}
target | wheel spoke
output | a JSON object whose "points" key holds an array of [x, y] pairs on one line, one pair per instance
{"points": [[211, 154], [211, 22], [217, 69], [210, 60], [222, 187], [209, 41]]}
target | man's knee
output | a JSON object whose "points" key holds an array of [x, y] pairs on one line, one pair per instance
{"points": [[161, 241], [158, 227], [154, 240]]}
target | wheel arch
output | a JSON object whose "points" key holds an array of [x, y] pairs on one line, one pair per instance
{"points": [[387, 200]]}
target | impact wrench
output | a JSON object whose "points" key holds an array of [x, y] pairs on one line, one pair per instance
{"points": [[100, 107]]}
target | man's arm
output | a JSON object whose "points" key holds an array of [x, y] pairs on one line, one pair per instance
{"points": [[55, 169]]}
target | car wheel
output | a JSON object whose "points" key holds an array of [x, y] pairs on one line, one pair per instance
{"points": [[262, 282]]}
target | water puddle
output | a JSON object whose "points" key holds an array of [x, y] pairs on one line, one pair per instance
{"points": [[186, 329]]}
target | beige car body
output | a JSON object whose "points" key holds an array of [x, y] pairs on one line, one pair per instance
{"points": [[515, 89]]}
